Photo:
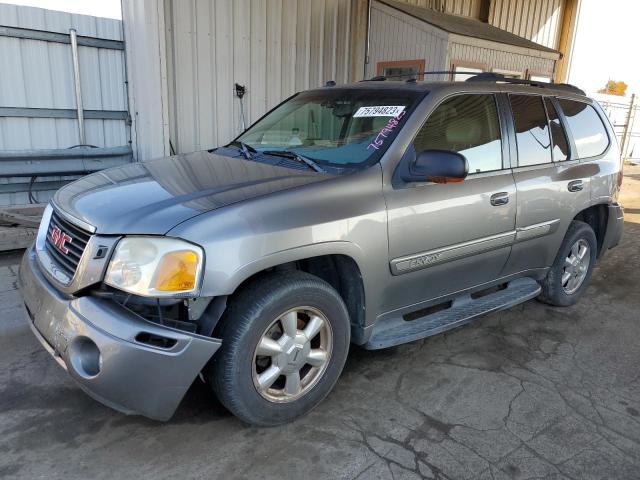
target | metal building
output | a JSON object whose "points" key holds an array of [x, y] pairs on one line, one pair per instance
{"points": [[406, 39], [176, 88], [185, 57], [63, 100]]}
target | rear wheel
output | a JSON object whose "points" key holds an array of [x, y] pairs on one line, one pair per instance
{"points": [[285, 339], [569, 276]]}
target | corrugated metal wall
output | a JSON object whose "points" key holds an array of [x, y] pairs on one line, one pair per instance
{"points": [[467, 8], [398, 36], [502, 58], [39, 74], [273, 47], [537, 20], [144, 29], [184, 57]]}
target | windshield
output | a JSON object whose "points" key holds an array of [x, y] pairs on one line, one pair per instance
{"points": [[338, 127]]}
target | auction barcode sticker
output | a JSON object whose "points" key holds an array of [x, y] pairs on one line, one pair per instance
{"points": [[380, 111]]}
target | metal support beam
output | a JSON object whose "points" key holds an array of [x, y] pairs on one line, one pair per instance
{"points": [[30, 34], [628, 127], [78, 85], [568, 27], [62, 113], [47, 185], [67, 161]]}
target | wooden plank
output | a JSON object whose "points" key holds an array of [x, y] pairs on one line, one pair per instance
{"points": [[23, 215], [15, 238]]}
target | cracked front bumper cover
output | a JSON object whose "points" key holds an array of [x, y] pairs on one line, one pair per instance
{"points": [[95, 341]]}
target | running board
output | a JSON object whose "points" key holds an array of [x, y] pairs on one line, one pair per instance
{"points": [[463, 309]]}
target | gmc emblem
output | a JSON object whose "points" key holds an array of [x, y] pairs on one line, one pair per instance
{"points": [[59, 239]]}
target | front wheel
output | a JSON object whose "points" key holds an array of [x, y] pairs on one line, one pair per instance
{"points": [[571, 271], [285, 339]]}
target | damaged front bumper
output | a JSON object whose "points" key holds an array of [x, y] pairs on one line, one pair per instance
{"points": [[111, 352]]}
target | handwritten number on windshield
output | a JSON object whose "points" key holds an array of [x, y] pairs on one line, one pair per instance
{"points": [[386, 131]]}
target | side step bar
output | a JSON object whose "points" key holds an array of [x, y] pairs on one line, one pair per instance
{"points": [[463, 309]]}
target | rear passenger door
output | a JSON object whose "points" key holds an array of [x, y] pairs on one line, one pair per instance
{"points": [[552, 185]]}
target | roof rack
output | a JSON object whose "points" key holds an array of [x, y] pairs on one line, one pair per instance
{"points": [[482, 77], [496, 77], [381, 78]]}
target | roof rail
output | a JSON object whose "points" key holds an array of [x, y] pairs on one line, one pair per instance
{"points": [[496, 77], [482, 77]]}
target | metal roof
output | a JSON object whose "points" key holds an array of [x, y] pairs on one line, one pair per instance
{"points": [[465, 26]]}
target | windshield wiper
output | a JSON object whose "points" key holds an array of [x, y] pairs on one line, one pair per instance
{"points": [[296, 156], [247, 150]]}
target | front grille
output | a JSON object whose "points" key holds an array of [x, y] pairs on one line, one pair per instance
{"points": [[67, 262]]}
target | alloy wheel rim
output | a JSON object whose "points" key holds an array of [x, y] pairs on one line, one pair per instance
{"points": [[292, 354], [576, 266]]}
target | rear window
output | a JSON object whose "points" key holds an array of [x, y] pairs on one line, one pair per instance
{"points": [[589, 134], [532, 130]]}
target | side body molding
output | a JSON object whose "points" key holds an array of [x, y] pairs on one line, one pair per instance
{"points": [[454, 252], [438, 256], [537, 230]]}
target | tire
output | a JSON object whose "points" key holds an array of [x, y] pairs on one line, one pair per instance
{"points": [[554, 290], [236, 369]]}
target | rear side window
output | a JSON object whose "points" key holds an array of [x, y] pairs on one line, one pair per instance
{"points": [[467, 124], [558, 138], [586, 127], [532, 130]]}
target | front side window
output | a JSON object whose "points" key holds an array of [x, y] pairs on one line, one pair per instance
{"points": [[558, 137], [532, 130], [334, 126], [467, 124], [588, 132]]}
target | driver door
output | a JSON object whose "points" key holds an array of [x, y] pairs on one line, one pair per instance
{"points": [[444, 238]]}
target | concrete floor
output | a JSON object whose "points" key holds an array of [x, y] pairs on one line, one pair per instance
{"points": [[533, 392]]}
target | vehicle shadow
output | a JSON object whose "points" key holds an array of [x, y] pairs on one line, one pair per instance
{"points": [[200, 405]]}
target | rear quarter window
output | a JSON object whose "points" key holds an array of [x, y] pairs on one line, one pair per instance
{"points": [[532, 130], [589, 133]]}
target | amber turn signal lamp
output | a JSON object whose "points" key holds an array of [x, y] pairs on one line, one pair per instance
{"points": [[177, 271]]}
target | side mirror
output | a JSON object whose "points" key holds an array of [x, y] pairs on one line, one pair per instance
{"points": [[438, 166]]}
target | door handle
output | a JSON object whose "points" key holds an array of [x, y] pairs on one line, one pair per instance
{"points": [[501, 198], [575, 186]]}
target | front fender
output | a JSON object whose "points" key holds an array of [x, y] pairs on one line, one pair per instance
{"points": [[302, 252], [344, 216]]}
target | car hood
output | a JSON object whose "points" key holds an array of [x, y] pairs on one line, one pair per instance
{"points": [[153, 197]]}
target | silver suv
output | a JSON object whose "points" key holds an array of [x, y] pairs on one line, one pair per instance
{"points": [[376, 214]]}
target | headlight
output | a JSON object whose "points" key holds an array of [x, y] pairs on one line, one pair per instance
{"points": [[156, 267]]}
